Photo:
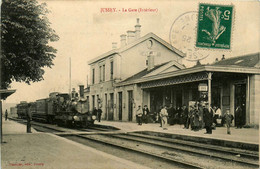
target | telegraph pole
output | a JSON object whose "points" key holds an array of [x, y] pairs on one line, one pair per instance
{"points": [[0, 89], [70, 76]]}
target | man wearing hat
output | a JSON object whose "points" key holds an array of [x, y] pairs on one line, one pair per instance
{"points": [[139, 115]]}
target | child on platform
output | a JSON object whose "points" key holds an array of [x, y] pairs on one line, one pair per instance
{"points": [[228, 119]]}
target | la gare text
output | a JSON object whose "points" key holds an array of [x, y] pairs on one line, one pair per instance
{"points": [[115, 10]]}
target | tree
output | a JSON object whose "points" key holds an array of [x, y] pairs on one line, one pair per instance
{"points": [[25, 37]]}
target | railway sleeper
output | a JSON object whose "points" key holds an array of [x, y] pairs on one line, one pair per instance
{"points": [[162, 157], [233, 151], [250, 162]]}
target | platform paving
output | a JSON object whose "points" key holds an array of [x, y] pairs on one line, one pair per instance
{"points": [[244, 135], [48, 151]]}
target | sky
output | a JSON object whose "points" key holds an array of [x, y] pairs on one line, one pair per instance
{"points": [[85, 33]]}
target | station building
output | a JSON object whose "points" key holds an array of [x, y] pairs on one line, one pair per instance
{"points": [[149, 71]]}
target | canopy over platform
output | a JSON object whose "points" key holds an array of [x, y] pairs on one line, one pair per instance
{"points": [[4, 93]]}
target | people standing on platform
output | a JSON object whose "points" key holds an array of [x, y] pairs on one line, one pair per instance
{"points": [[217, 115], [99, 114], [213, 111], [238, 117], [200, 113], [6, 114], [228, 120], [178, 116], [195, 119], [145, 114], [185, 113], [139, 115], [159, 116], [208, 119], [188, 121], [164, 116], [29, 119]]}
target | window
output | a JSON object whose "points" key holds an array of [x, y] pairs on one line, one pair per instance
{"points": [[93, 102], [104, 72], [111, 70], [100, 73], [93, 76]]}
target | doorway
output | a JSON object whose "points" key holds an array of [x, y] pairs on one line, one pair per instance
{"points": [[111, 107], [156, 100], [179, 98], [120, 105], [106, 107], [240, 100], [130, 105]]}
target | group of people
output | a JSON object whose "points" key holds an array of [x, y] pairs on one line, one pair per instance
{"points": [[142, 115], [197, 117], [97, 113]]}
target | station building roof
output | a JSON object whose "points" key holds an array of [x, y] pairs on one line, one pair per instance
{"points": [[251, 60], [134, 43], [246, 64]]}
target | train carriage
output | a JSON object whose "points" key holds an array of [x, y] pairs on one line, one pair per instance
{"points": [[22, 109], [41, 110]]}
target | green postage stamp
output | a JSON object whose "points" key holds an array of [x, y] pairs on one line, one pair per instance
{"points": [[214, 26]]}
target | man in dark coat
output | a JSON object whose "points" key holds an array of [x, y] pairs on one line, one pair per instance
{"points": [[99, 114], [185, 116], [29, 119], [145, 114], [238, 117], [208, 119]]}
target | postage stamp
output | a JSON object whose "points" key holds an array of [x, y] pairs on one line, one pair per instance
{"points": [[214, 26]]}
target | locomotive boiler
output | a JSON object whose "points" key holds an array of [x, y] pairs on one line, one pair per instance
{"points": [[62, 109]]}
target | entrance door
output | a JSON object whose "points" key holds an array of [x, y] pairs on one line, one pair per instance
{"points": [[179, 98], [130, 105], [240, 100], [111, 107], [120, 105], [156, 100], [106, 107]]}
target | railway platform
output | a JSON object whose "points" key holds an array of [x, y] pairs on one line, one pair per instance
{"points": [[238, 136], [47, 151]]}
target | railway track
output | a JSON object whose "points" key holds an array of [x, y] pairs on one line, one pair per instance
{"points": [[50, 128], [175, 152], [166, 152]]}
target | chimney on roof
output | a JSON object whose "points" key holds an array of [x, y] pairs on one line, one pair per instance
{"points": [[123, 40], [223, 57], [137, 29], [130, 36], [114, 45], [198, 63], [150, 59]]}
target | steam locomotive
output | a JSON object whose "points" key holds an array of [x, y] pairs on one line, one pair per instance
{"points": [[59, 108]]}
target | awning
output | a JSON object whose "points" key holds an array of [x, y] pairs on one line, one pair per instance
{"points": [[176, 80], [4, 93]]}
